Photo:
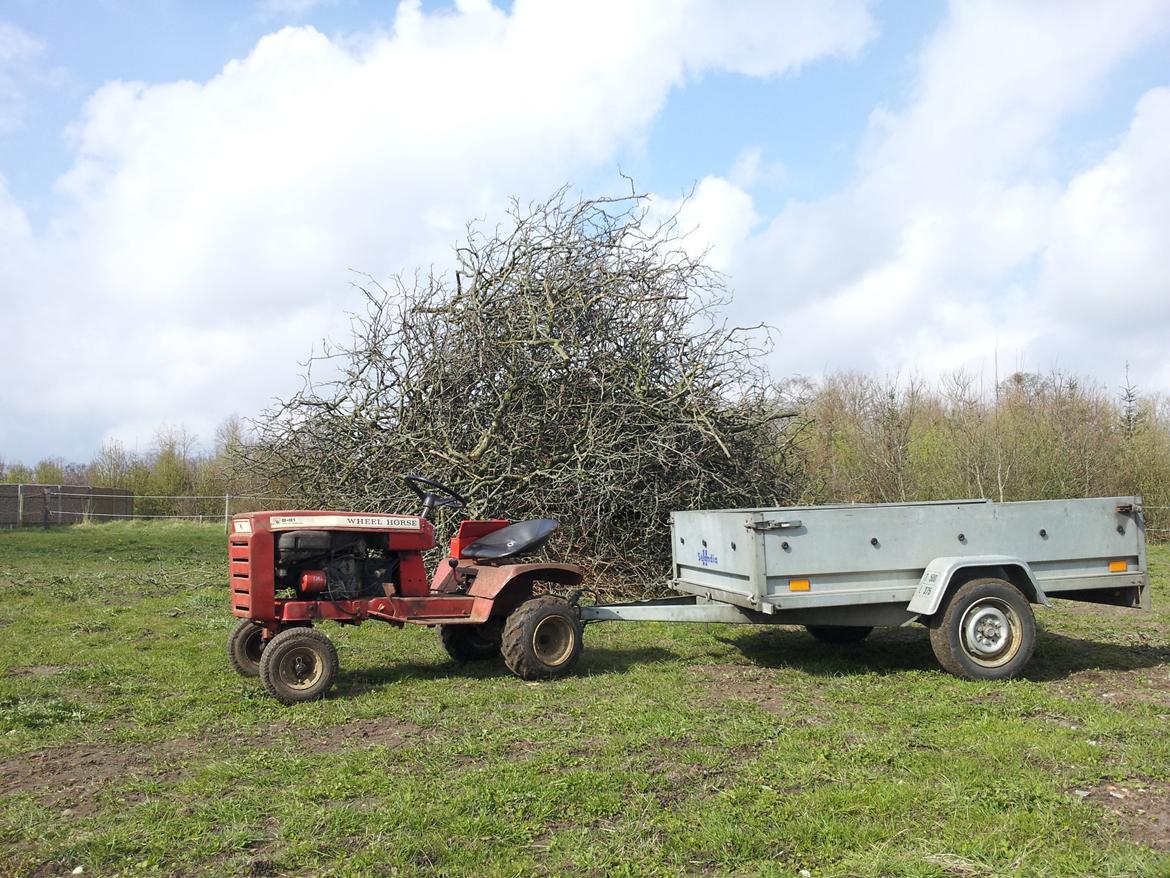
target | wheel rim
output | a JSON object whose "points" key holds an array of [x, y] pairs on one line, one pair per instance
{"points": [[552, 640], [300, 668], [989, 631]]}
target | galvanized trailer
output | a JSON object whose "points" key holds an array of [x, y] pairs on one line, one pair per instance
{"points": [[968, 569]]}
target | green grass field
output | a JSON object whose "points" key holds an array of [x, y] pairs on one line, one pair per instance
{"points": [[127, 747]]}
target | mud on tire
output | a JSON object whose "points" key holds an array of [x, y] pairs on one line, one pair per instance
{"points": [[299, 664], [984, 631], [472, 643], [244, 648], [542, 638]]}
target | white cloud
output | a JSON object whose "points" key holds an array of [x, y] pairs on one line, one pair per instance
{"points": [[19, 54], [1106, 261], [957, 241], [206, 227]]}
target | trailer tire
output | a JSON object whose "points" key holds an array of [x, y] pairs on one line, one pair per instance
{"points": [[472, 643], [244, 648], [985, 630], [839, 634], [542, 638], [298, 664]]}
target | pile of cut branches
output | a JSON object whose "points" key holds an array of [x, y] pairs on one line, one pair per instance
{"points": [[577, 367]]}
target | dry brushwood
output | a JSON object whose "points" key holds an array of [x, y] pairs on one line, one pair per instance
{"points": [[577, 369]]}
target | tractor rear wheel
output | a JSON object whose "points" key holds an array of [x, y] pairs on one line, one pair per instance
{"points": [[298, 664], [542, 638], [839, 634], [245, 645], [472, 643]]}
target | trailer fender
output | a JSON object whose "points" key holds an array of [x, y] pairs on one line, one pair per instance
{"points": [[941, 572]]}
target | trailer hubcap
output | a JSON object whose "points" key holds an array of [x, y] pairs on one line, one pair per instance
{"points": [[301, 669], [989, 632], [552, 640]]}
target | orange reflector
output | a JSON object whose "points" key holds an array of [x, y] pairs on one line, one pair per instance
{"points": [[1118, 566], [798, 585]]}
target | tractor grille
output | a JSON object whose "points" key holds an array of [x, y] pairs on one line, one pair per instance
{"points": [[240, 565]]}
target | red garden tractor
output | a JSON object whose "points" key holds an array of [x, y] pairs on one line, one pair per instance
{"points": [[292, 569]]}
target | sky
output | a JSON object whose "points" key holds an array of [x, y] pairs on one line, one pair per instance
{"points": [[188, 190]]}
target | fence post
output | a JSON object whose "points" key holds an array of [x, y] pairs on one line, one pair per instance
{"points": [[227, 513], [45, 510], [19, 505]]}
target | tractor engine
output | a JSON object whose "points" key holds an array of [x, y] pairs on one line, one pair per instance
{"points": [[334, 565]]}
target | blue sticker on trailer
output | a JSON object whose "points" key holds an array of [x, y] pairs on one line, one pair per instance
{"points": [[706, 558]]}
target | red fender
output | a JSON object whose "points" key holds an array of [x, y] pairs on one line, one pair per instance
{"points": [[506, 585]]}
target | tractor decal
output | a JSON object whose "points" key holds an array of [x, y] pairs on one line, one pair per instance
{"points": [[373, 522]]}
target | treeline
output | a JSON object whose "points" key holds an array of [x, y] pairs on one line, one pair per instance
{"points": [[851, 438], [175, 475], [1029, 437]]}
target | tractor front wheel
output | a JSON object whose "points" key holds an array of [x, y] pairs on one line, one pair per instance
{"points": [[542, 638], [472, 643], [245, 645], [298, 664]]}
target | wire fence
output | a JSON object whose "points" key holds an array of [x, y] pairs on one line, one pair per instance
{"points": [[40, 505], [48, 505]]}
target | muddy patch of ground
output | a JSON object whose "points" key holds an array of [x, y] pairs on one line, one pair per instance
{"points": [[1139, 686], [356, 734], [37, 671], [1142, 808], [755, 684], [72, 778]]}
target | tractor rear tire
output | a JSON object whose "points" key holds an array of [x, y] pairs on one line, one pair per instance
{"points": [[542, 638], [244, 648], [839, 634], [298, 664], [472, 643], [985, 630]]}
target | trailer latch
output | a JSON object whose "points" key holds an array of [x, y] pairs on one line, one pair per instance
{"points": [[1128, 508], [773, 525]]}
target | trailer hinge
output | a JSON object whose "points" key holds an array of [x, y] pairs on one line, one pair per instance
{"points": [[773, 525]]}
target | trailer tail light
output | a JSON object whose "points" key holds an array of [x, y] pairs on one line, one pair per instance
{"points": [[1118, 566], [798, 585]]}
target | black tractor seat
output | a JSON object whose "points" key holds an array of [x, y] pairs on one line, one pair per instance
{"points": [[521, 538]]}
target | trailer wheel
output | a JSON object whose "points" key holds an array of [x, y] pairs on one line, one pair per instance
{"points": [[472, 643], [245, 644], [985, 631], [839, 634], [542, 638], [299, 664]]}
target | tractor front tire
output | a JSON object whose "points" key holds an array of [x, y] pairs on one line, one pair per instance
{"points": [[244, 648], [984, 631], [472, 643], [839, 634], [542, 638], [298, 664]]}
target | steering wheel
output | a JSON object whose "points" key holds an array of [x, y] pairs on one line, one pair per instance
{"points": [[441, 495]]}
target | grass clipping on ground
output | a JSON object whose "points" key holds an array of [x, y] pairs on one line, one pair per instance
{"points": [[127, 747]]}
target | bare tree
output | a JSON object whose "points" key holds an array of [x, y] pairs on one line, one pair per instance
{"points": [[577, 367]]}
